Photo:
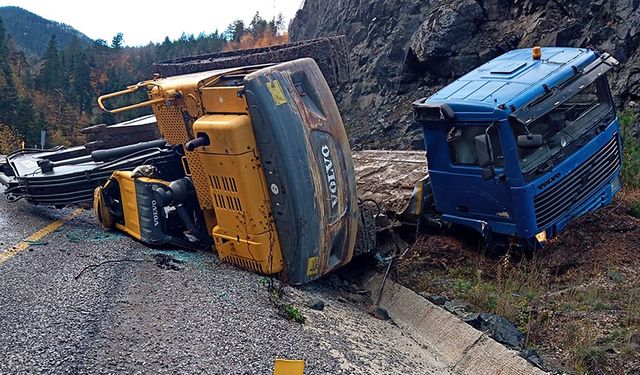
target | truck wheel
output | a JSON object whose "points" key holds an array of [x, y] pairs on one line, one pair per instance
{"points": [[331, 55], [496, 246]]}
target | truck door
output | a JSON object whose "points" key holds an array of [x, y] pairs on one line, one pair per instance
{"points": [[466, 193]]}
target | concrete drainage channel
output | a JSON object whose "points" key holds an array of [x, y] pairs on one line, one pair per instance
{"points": [[463, 348]]}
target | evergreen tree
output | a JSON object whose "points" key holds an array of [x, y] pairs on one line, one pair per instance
{"points": [[101, 43], [118, 41], [26, 123], [164, 49], [4, 47], [277, 24], [9, 94], [235, 31], [50, 77], [78, 73], [258, 26]]}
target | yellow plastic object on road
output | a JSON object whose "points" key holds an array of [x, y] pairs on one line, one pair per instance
{"points": [[288, 367]]}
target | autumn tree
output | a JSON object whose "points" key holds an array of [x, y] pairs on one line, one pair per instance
{"points": [[9, 140], [259, 33]]}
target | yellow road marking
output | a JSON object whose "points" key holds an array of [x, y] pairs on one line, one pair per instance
{"points": [[24, 244]]}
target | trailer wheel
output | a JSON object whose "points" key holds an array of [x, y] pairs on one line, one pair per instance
{"points": [[331, 55]]}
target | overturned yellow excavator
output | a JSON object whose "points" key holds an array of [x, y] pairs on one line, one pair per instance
{"points": [[268, 180]]}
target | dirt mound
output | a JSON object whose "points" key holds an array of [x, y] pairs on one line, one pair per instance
{"points": [[389, 177], [604, 239], [437, 253]]}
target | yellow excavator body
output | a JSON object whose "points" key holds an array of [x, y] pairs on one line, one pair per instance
{"points": [[267, 156]]}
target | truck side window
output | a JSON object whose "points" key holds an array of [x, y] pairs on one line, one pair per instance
{"points": [[462, 147]]}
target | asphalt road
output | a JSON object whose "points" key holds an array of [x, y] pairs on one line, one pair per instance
{"points": [[136, 315]]}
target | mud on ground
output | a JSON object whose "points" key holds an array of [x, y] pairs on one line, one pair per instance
{"points": [[576, 301]]}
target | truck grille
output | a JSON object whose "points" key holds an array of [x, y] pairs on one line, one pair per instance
{"points": [[578, 185]]}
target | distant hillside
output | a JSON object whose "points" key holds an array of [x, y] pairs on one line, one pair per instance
{"points": [[31, 33], [56, 91]]}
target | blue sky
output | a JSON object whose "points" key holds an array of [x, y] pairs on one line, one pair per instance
{"points": [[145, 21]]}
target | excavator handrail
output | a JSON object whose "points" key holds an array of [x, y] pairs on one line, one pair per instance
{"points": [[168, 94], [130, 90]]}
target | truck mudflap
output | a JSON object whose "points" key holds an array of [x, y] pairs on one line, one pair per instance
{"points": [[306, 157]]}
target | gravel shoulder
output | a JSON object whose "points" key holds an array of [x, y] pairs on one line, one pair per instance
{"points": [[137, 314]]}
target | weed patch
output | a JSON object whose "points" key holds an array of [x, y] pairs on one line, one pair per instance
{"points": [[631, 150], [634, 210], [277, 299], [577, 306], [589, 359], [293, 313]]}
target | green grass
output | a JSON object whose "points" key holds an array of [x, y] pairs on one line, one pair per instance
{"points": [[631, 150], [631, 307], [293, 313], [589, 359], [635, 209], [513, 291], [276, 295]]}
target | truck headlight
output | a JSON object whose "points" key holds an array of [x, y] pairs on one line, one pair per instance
{"points": [[615, 184]]}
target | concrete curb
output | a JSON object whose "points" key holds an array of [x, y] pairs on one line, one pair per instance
{"points": [[463, 348]]}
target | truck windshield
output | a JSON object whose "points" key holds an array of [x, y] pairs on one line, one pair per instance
{"points": [[565, 123]]}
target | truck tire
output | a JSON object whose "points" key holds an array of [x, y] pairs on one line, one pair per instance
{"points": [[329, 53]]}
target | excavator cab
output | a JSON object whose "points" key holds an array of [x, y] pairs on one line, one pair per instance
{"points": [[268, 159]]}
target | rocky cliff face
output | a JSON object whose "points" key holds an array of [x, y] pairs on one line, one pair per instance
{"points": [[406, 49]]}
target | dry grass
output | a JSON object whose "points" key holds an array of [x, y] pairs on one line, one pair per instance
{"points": [[576, 302]]}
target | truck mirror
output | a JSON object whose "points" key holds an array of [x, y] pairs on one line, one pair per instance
{"points": [[454, 134], [530, 140], [485, 155], [483, 150]]}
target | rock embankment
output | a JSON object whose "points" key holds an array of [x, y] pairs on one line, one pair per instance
{"points": [[405, 49]]}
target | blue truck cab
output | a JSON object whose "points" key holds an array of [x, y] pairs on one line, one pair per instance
{"points": [[523, 144]]}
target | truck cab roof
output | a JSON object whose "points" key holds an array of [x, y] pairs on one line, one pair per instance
{"points": [[499, 87]]}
